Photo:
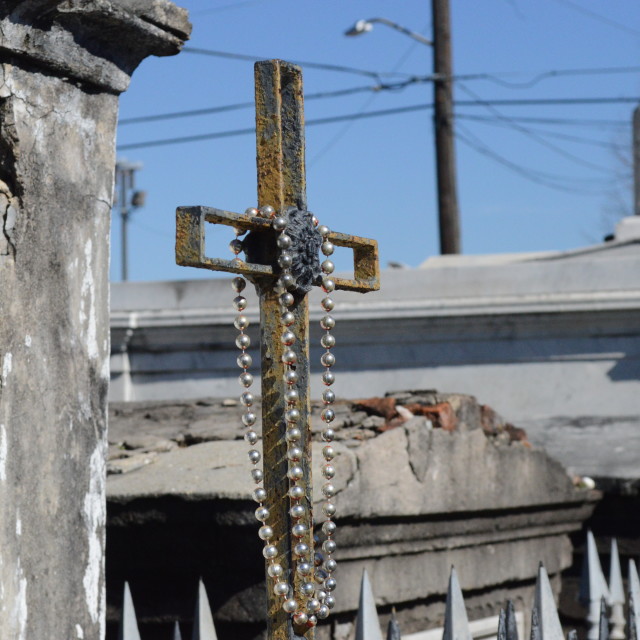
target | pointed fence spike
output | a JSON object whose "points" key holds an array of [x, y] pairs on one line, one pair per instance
{"points": [[456, 623], [593, 587], [603, 627], [502, 625], [393, 630], [368, 624], [550, 628], [176, 632], [128, 621], [203, 628], [536, 632], [616, 594], [634, 600], [511, 622]]}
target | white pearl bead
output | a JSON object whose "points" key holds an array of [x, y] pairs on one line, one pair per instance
{"points": [[281, 588], [323, 612], [279, 223], [328, 491], [247, 399], [330, 583], [288, 338], [328, 341], [328, 452], [265, 533], [329, 510], [286, 299], [301, 549], [328, 285], [257, 475], [275, 570], [327, 322], [243, 341], [328, 527], [294, 454], [289, 357], [290, 377], [300, 618], [295, 473], [291, 396], [244, 360], [328, 378], [270, 551], [245, 379], [293, 434], [327, 266], [323, 230], [298, 530], [249, 419], [328, 471], [240, 303], [297, 511], [293, 415], [307, 588], [327, 415], [289, 606], [329, 546], [259, 494], [288, 319], [262, 513], [330, 565], [283, 241], [238, 284], [327, 248], [241, 322], [236, 246], [330, 601], [296, 492], [251, 437], [285, 260], [328, 397], [251, 211], [313, 605], [328, 435], [267, 211], [303, 568], [286, 281], [312, 621], [327, 360], [327, 304], [254, 456]]}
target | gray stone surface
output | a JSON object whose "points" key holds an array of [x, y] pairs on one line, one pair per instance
{"points": [[62, 64], [413, 498]]}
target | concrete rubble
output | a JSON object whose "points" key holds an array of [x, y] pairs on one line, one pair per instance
{"points": [[425, 480]]}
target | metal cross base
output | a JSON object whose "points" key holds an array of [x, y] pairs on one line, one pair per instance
{"points": [[281, 184]]}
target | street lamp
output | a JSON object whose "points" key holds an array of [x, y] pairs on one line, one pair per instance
{"points": [[364, 26], [448, 215]]}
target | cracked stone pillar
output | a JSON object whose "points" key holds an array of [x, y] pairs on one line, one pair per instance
{"points": [[62, 66]]}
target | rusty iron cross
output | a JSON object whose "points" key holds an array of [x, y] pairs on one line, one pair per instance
{"points": [[281, 184]]}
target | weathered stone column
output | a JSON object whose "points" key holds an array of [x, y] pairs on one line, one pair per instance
{"points": [[62, 66]]}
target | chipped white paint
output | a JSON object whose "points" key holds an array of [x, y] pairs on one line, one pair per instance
{"points": [[19, 611], [27, 341], [95, 517], [79, 632], [18, 525], [3, 453], [7, 363], [88, 304]]}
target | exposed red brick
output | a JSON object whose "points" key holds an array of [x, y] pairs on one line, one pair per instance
{"points": [[385, 407], [442, 415]]}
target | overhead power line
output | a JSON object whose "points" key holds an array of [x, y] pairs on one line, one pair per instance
{"points": [[378, 113], [382, 87]]}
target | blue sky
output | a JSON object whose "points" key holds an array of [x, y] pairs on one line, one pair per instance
{"points": [[530, 178]]}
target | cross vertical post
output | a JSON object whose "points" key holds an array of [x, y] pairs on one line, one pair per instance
{"points": [[281, 183], [282, 186]]}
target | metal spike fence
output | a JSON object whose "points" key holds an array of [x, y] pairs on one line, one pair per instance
{"points": [[595, 595]]}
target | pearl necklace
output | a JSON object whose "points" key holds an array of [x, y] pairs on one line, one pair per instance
{"points": [[314, 599]]}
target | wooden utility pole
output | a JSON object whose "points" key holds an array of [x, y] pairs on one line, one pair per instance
{"points": [[636, 161], [448, 216]]}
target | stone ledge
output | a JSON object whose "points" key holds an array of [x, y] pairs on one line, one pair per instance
{"points": [[97, 42]]}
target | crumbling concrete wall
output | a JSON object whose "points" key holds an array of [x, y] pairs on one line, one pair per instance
{"points": [[62, 66]]}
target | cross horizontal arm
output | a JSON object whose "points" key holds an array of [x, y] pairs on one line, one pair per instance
{"points": [[190, 247], [190, 235], [366, 267]]}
